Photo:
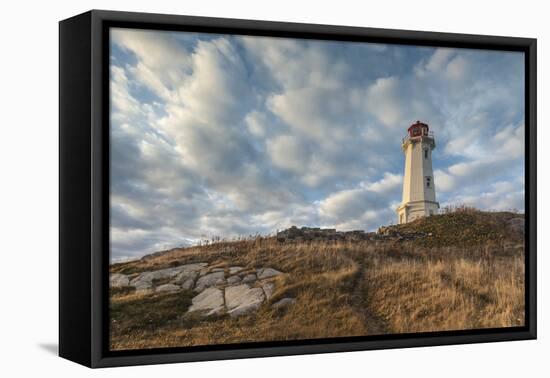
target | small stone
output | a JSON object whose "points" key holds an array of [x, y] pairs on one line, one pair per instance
{"points": [[269, 288], [267, 273], [167, 288], [235, 269], [119, 280], [249, 278], [210, 301], [233, 280], [284, 302]]}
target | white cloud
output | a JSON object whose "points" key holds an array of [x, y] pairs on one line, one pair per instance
{"points": [[257, 123], [388, 183], [445, 182], [457, 68], [289, 153], [384, 102], [162, 60], [500, 196], [217, 136], [438, 61], [445, 63]]}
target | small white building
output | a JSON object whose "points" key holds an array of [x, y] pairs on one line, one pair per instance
{"points": [[418, 181]]}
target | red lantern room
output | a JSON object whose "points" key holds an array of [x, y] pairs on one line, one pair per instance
{"points": [[418, 129]]}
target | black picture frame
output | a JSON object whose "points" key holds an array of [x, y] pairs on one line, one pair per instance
{"points": [[84, 187]]}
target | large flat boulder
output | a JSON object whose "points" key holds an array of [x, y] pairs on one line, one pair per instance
{"points": [[243, 299], [119, 280], [166, 273], [143, 287], [209, 280], [210, 301], [187, 277]]}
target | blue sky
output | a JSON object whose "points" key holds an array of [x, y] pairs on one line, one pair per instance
{"points": [[217, 135]]}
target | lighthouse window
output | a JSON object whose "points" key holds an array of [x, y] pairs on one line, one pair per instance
{"points": [[425, 153], [428, 181]]}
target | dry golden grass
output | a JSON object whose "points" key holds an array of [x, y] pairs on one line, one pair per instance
{"points": [[450, 294], [342, 289]]}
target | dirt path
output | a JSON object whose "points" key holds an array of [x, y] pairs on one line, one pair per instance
{"points": [[373, 323]]}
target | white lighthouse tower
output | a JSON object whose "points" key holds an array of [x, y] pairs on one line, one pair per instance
{"points": [[418, 181]]}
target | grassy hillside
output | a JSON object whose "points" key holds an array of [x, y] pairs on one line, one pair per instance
{"points": [[465, 272]]}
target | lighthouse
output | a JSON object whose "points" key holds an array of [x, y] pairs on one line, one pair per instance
{"points": [[418, 181]]}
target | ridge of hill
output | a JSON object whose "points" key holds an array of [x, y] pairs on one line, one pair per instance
{"points": [[459, 270]]}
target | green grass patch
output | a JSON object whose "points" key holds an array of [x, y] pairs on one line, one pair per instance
{"points": [[150, 312], [121, 291]]}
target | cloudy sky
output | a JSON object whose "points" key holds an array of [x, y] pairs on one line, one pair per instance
{"points": [[217, 135]]}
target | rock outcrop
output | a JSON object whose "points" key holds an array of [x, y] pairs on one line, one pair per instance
{"points": [[316, 234], [118, 280], [210, 301], [167, 288], [234, 291], [209, 280], [243, 299]]}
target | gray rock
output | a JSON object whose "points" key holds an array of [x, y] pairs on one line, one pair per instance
{"points": [[208, 280], [235, 269], [217, 270], [160, 274], [144, 288], [185, 276], [267, 273], [118, 280], [210, 301], [233, 280], [141, 281], [269, 288], [167, 288], [242, 299], [249, 278], [284, 302], [157, 275], [189, 284], [192, 267]]}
